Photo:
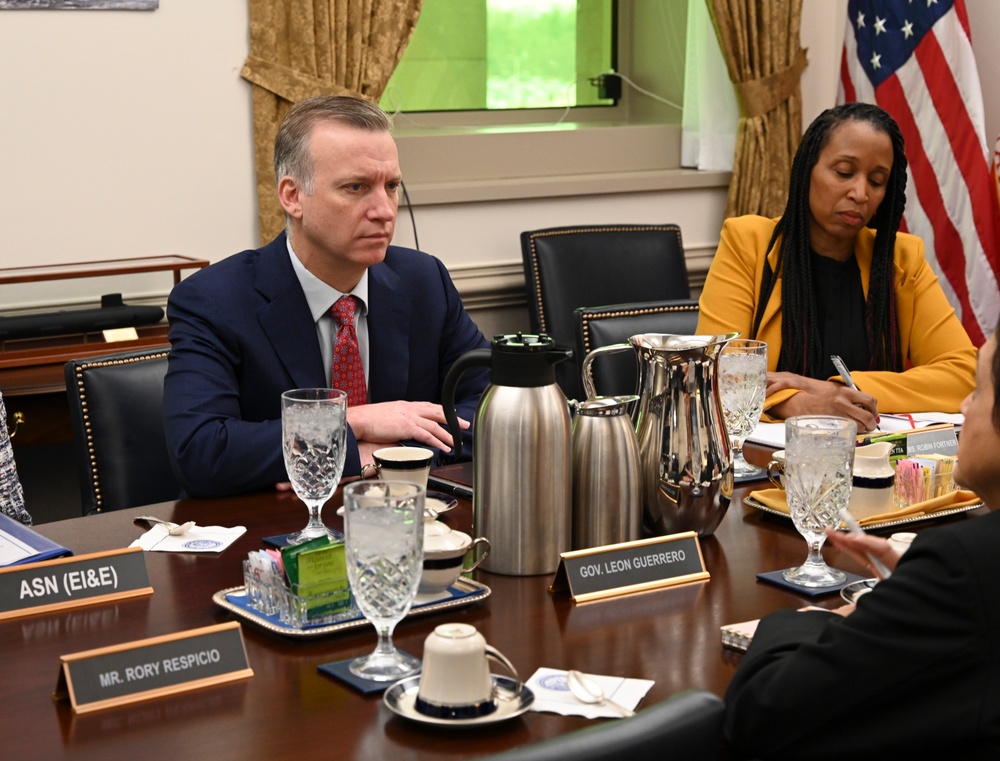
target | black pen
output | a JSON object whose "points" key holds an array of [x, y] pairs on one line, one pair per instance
{"points": [[845, 375], [450, 487]]}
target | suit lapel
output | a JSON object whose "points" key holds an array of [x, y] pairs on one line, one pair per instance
{"points": [[773, 308], [864, 248], [389, 315], [285, 318]]}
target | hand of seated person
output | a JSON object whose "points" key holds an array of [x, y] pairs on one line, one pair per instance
{"points": [[859, 546], [817, 397], [388, 423]]}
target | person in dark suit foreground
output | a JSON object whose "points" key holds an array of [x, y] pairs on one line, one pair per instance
{"points": [[914, 670], [259, 323]]}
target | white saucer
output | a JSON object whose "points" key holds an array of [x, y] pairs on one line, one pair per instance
{"points": [[857, 589], [437, 501], [402, 696]]}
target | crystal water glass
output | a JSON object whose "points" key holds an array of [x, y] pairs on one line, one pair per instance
{"points": [[314, 445], [384, 538], [743, 386], [819, 461]]}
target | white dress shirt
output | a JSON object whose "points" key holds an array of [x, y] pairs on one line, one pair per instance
{"points": [[321, 297]]}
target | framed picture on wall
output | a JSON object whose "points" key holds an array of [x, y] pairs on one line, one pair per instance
{"points": [[118, 5]]}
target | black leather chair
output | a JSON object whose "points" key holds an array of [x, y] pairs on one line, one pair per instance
{"points": [[591, 265], [615, 374], [116, 413], [686, 727]]}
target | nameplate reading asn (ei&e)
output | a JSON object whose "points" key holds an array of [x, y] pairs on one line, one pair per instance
{"points": [[149, 668], [62, 583], [617, 569]]}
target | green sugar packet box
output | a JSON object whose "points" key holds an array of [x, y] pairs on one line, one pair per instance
{"points": [[317, 578]]}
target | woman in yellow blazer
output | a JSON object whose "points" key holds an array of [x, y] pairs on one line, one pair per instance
{"points": [[833, 276]]}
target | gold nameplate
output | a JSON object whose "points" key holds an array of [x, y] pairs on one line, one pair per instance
{"points": [[50, 585], [618, 569], [115, 335], [151, 668]]}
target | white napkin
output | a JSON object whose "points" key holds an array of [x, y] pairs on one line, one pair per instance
{"points": [[195, 539], [552, 694]]}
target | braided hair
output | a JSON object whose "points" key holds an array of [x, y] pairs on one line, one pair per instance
{"points": [[801, 350]]}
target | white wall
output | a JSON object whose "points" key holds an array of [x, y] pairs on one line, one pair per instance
{"points": [[125, 133], [128, 133]]}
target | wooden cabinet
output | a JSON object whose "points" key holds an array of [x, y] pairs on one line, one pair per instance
{"points": [[34, 389]]}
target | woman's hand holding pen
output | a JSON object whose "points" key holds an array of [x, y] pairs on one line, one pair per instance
{"points": [[817, 397]]}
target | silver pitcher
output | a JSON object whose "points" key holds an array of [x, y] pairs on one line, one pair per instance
{"points": [[686, 468], [606, 494]]}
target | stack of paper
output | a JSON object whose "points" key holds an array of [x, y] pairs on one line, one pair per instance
{"points": [[773, 434]]}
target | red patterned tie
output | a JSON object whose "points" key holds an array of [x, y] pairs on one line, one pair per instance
{"points": [[347, 374]]}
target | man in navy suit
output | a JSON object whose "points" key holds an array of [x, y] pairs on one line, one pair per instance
{"points": [[257, 324]]}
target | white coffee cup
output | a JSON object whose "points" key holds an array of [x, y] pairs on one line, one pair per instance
{"points": [[901, 541], [403, 464], [455, 682], [445, 551]]}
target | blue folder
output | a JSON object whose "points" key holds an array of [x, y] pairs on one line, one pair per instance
{"points": [[45, 549]]}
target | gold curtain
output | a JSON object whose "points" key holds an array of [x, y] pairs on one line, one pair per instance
{"points": [[760, 42], [303, 48]]}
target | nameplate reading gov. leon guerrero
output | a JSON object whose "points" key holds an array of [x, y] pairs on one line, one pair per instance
{"points": [[71, 582], [617, 569], [149, 668]]}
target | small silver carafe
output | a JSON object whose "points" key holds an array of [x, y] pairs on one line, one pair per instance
{"points": [[607, 507], [521, 473]]}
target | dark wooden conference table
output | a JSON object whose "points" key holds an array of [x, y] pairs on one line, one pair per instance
{"points": [[289, 710]]}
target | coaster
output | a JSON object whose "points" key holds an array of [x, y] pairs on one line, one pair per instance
{"points": [[281, 540], [341, 671], [775, 577]]}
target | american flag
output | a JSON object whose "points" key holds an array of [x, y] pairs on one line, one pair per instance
{"points": [[914, 59]]}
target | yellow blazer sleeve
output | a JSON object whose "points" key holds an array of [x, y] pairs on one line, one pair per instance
{"points": [[729, 299], [939, 357]]}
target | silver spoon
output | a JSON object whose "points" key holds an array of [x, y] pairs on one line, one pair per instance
{"points": [[586, 690], [172, 528]]}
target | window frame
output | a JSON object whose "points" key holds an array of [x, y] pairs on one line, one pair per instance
{"points": [[464, 156]]}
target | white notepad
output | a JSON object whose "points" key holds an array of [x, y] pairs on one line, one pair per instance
{"points": [[738, 636]]}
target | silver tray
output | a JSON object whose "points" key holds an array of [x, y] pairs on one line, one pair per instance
{"points": [[466, 585], [749, 501]]}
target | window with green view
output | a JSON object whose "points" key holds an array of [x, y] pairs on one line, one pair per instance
{"points": [[470, 55]]}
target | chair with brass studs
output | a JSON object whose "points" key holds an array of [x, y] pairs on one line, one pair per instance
{"points": [[591, 265], [116, 413], [615, 374]]}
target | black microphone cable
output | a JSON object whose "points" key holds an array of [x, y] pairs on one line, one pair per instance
{"points": [[413, 220]]}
